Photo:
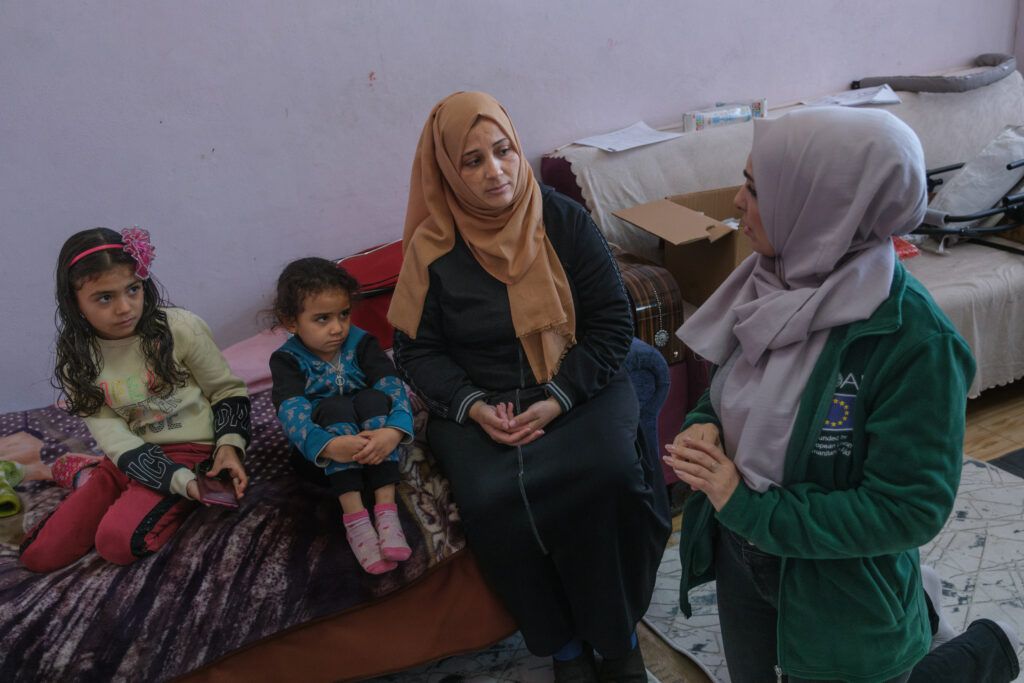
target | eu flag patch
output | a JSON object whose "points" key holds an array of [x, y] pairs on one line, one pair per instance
{"points": [[840, 413]]}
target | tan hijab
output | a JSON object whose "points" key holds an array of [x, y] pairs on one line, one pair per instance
{"points": [[509, 243]]}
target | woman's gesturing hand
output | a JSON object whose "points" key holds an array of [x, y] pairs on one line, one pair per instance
{"points": [[535, 418], [701, 431], [704, 466], [505, 427]]}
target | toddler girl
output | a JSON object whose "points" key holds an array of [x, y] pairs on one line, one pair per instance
{"points": [[156, 394], [342, 405]]}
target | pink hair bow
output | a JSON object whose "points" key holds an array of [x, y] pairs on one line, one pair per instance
{"points": [[136, 243]]}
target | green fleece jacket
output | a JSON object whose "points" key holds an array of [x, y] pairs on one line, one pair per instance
{"points": [[871, 473]]}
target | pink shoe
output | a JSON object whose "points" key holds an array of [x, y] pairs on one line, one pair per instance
{"points": [[72, 470], [363, 541], [393, 545]]}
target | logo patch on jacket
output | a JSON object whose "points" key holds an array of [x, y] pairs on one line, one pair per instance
{"points": [[840, 413], [836, 437]]}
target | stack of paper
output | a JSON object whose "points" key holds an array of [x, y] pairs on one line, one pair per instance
{"points": [[637, 135], [881, 94]]}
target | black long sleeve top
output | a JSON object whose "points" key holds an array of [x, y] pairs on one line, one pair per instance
{"points": [[466, 347]]}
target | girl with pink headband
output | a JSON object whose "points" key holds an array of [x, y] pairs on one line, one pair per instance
{"points": [[157, 396]]}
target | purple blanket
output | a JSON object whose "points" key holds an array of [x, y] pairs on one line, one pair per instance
{"points": [[226, 580]]}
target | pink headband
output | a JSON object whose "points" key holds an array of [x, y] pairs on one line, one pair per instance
{"points": [[135, 242]]}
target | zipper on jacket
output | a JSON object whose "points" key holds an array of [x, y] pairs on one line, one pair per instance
{"points": [[778, 674], [522, 467]]}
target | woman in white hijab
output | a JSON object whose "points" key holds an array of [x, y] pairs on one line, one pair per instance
{"points": [[828, 447]]}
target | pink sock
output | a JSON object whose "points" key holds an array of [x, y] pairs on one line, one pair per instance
{"points": [[363, 540], [392, 540]]}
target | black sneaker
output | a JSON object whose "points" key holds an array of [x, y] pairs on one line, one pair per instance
{"points": [[1005, 668], [582, 669], [628, 669]]}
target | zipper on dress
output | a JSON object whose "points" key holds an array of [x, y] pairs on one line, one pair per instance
{"points": [[519, 362], [522, 467]]}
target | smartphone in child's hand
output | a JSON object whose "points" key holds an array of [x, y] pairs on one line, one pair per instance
{"points": [[216, 491]]}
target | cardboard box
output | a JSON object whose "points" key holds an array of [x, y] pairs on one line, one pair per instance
{"points": [[698, 249]]}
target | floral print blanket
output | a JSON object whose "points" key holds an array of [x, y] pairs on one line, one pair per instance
{"points": [[226, 580]]}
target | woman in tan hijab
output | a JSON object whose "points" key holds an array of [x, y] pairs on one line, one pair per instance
{"points": [[512, 324]]}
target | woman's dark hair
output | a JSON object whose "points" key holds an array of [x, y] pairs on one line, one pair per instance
{"points": [[79, 361], [307, 277]]}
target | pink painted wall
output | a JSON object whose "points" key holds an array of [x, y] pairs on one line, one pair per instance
{"points": [[245, 133]]}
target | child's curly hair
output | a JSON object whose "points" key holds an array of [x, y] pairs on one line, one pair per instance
{"points": [[307, 277], [79, 360]]}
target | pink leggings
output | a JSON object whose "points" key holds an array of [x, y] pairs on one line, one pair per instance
{"points": [[122, 518]]}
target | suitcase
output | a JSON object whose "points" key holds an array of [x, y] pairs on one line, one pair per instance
{"points": [[657, 304], [376, 270]]}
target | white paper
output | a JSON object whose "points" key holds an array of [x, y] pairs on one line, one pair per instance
{"points": [[637, 135], [881, 94]]}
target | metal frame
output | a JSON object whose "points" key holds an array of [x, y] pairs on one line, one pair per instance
{"points": [[1012, 206]]}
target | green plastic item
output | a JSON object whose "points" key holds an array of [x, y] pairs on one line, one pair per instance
{"points": [[11, 474]]}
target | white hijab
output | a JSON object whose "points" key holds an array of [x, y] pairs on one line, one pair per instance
{"points": [[833, 186]]}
